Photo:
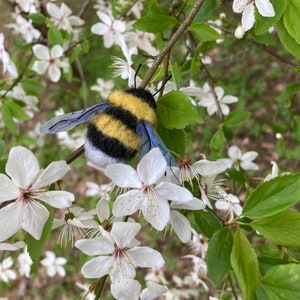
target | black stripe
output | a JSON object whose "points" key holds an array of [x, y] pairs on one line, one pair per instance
{"points": [[109, 145], [125, 116], [143, 95]]}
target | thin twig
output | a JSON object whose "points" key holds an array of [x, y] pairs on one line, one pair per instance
{"points": [[171, 43], [75, 154]]}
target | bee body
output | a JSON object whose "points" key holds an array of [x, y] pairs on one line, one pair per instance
{"points": [[118, 129]]}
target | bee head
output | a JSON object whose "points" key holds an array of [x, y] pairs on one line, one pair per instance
{"points": [[143, 95]]}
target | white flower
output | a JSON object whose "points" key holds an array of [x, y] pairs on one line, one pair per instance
{"points": [[119, 253], [110, 28], [25, 28], [152, 290], [149, 195], [231, 205], [103, 87], [142, 40], [238, 160], [246, 7], [210, 102], [49, 60], [74, 224], [62, 18], [203, 167], [123, 67], [24, 187], [239, 32], [28, 6], [4, 56], [25, 263], [210, 189], [5, 273], [53, 264], [274, 172], [12, 247]]}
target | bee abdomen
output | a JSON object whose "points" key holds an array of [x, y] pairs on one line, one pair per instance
{"points": [[114, 133]]}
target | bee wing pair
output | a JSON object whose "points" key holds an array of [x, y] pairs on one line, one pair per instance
{"points": [[149, 138], [71, 120]]}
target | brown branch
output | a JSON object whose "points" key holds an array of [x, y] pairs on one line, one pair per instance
{"points": [[171, 43]]}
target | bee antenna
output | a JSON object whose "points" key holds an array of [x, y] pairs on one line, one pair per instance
{"points": [[163, 85], [136, 73]]}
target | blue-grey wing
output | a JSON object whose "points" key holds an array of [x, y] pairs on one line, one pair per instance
{"points": [[149, 139], [73, 119]]}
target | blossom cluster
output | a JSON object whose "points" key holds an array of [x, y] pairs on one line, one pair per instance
{"points": [[145, 197]]}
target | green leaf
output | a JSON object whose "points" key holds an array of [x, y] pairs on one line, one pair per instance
{"points": [[206, 222], [273, 196], [218, 255], [245, 265], [204, 32], [287, 40], [206, 10], [37, 18], [289, 92], [236, 117], [16, 110], [238, 176], [32, 85], [54, 36], [155, 23], [282, 229], [8, 118], [291, 19], [175, 110], [217, 142], [282, 282], [262, 24], [2, 147], [35, 247], [174, 139]]}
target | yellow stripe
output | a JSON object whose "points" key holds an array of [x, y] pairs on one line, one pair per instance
{"points": [[133, 104], [114, 128]]}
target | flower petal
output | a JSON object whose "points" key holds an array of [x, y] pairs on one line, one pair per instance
{"points": [[55, 171], [41, 52], [99, 29], [152, 166], [22, 166], [96, 246], [181, 226], [146, 257], [157, 214], [265, 8], [8, 190], [123, 233], [128, 203], [123, 176], [248, 17], [239, 5], [97, 267], [171, 191], [10, 219], [54, 73], [57, 51], [34, 217], [58, 199], [126, 289], [234, 153], [52, 9], [40, 67]]}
